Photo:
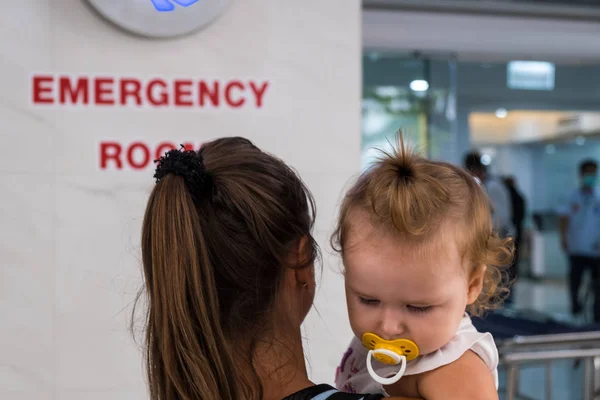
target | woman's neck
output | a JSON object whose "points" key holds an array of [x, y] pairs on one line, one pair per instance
{"points": [[281, 367]]}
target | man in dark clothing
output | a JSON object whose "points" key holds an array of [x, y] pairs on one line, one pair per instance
{"points": [[517, 217]]}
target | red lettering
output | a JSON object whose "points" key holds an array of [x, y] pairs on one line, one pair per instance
{"points": [[130, 87], [183, 88], [39, 90], [110, 151], [65, 87], [100, 90], [162, 149], [137, 164], [230, 101], [204, 90], [189, 146], [156, 92], [163, 97], [112, 154], [259, 92]]}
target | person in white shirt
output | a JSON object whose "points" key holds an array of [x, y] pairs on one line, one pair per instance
{"points": [[497, 193], [580, 232]]}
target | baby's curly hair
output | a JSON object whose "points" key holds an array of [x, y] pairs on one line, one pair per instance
{"points": [[417, 198]]}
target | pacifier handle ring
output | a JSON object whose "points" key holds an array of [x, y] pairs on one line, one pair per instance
{"points": [[382, 380]]}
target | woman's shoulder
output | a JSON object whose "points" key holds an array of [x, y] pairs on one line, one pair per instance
{"points": [[327, 392]]}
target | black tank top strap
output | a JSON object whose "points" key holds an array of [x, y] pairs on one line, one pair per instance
{"points": [[348, 396], [327, 392]]}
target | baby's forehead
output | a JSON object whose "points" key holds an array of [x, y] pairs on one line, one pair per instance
{"points": [[441, 248], [364, 264]]}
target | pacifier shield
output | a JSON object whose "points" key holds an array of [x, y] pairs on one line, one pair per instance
{"points": [[401, 347], [384, 358]]}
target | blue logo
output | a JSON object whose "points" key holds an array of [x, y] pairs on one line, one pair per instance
{"points": [[167, 5]]}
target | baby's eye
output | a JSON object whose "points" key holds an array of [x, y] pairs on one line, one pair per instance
{"points": [[368, 302], [417, 310]]}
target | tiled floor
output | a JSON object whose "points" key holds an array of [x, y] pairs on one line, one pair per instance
{"points": [[566, 377]]}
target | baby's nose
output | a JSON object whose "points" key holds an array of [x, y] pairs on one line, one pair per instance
{"points": [[392, 327]]}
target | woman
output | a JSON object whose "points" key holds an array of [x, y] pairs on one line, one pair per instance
{"points": [[228, 261]]}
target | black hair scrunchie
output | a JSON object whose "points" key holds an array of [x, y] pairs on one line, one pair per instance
{"points": [[185, 163]]}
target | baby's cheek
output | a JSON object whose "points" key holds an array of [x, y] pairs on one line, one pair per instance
{"points": [[362, 321], [432, 335], [425, 339]]}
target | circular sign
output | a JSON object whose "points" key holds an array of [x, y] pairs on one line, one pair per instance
{"points": [[160, 18]]}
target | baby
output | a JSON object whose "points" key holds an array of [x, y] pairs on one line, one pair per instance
{"points": [[419, 257]]}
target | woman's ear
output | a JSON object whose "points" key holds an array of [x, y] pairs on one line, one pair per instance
{"points": [[304, 276]]}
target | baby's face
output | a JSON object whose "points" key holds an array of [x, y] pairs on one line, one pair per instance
{"points": [[396, 292]]}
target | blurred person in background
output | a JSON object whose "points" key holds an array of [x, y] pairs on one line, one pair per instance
{"points": [[579, 232], [519, 207], [498, 194], [500, 204]]}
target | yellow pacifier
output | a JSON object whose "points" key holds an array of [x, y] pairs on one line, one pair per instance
{"points": [[391, 352]]}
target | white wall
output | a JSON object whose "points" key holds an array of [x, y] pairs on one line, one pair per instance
{"points": [[69, 237]]}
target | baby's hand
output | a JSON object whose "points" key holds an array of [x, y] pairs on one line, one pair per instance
{"points": [[467, 378]]}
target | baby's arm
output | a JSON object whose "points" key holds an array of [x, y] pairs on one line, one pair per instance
{"points": [[467, 378]]}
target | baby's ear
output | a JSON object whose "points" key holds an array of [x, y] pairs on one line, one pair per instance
{"points": [[475, 283]]}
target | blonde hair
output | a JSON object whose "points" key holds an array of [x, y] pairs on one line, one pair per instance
{"points": [[414, 198]]}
